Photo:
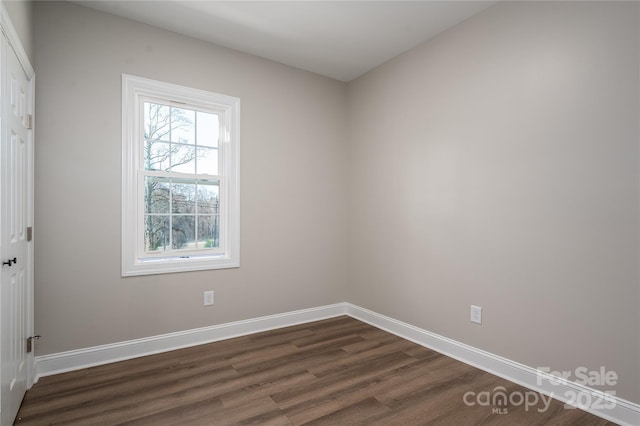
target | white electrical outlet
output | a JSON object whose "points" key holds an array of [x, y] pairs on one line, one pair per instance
{"points": [[208, 298], [476, 314]]}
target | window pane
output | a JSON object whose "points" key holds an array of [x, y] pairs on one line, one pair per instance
{"points": [[183, 126], [208, 232], [183, 196], [208, 161], [183, 232], [156, 155], [208, 129], [156, 233], [208, 197], [156, 195], [183, 159], [156, 121]]}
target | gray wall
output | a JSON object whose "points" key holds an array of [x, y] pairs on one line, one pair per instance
{"points": [[21, 14], [293, 150], [497, 165]]}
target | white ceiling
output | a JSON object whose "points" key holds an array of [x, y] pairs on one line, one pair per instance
{"points": [[338, 39]]}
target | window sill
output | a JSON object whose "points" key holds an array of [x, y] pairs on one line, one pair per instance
{"points": [[173, 265]]}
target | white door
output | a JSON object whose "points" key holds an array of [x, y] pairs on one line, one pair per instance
{"points": [[15, 216]]}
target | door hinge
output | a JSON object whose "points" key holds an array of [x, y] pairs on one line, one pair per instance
{"points": [[28, 122], [29, 233], [30, 342]]}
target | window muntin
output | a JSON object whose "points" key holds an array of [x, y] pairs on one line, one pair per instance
{"points": [[180, 178]]}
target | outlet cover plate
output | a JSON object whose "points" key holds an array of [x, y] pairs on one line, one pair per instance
{"points": [[476, 314]]}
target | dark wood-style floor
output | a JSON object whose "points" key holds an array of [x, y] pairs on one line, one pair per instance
{"points": [[338, 371]]}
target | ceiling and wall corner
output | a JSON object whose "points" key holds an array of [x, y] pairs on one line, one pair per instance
{"points": [[341, 40]]}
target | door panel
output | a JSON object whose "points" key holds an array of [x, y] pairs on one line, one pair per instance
{"points": [[14, 247]]}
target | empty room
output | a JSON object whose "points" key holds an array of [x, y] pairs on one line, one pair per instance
{"points": [[320, 212]]}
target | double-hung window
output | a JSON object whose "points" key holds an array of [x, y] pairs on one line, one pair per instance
{"points": [[180, 178]]}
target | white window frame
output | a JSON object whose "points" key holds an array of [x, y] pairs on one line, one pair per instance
{"points": [[134, 260]]}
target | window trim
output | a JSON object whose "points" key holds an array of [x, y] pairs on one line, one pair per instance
{"points": [[134, 90]]}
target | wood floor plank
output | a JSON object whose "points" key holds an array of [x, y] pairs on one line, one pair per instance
{"points": [[359, 412], [111, 398], [431, 403], [300, 360], [329, 385], [248, 359], [123, 371], [400, 378], [239, 397], [370, 342], [192, 413], [434, 374], [331, 372]]}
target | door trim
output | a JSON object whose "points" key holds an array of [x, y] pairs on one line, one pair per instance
{"points": [[12, 37]]}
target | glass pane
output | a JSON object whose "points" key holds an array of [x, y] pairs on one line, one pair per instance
{"points": [[156, 155], [183, 196], [156, 121], [208, 232], [156, 195], [183, 159], [156, 233], [208, 197], [208, 129], [183, 232], [183, 126], [208, 161]]}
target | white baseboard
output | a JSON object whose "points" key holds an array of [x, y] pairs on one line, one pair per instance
{"points": [[47, 365], [596, 402]]}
